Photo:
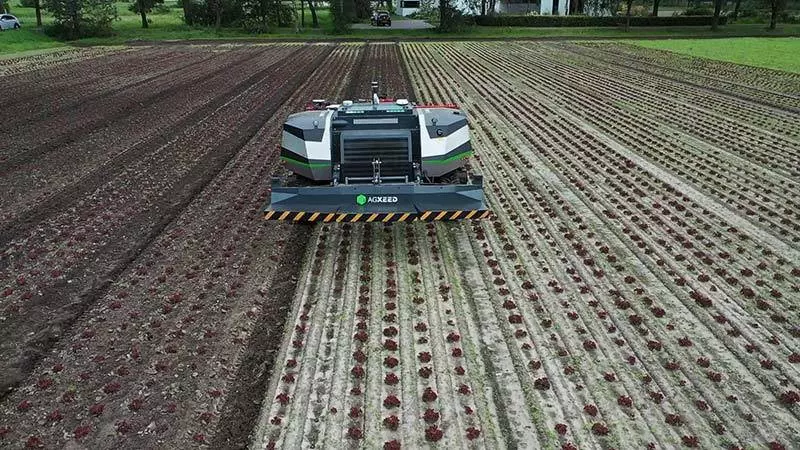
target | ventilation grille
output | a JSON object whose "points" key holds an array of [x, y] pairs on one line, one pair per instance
{"points": [[359, 152]]}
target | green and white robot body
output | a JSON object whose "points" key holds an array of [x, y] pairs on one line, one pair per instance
{"points": [[377, 161], [441, 135]]}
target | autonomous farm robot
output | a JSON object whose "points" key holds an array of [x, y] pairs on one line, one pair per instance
{"points": [[378, 160]]}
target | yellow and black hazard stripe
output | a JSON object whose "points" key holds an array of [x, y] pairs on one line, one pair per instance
{"points": [[432, 216], [426, 216]]}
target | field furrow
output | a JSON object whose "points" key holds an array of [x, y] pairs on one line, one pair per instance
{"points": [[636, 285], [766, 86], [564, 178]]}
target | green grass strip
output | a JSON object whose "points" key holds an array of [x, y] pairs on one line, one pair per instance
{"points": [[772, 53]]}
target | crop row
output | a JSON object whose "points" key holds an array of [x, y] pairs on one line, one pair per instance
{"points": [[558, 169], [157, 356], [687, 100], [762, 195], [34, 65], [758, 84]]}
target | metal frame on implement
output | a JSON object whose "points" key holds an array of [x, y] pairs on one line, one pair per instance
{"points": [[404, 202]]}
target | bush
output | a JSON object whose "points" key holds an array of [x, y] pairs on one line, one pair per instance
{"points": [[698, 11], [64, 31], [161, 9], [265, 23], [74, 19], [592, 21], [202, 13], [26, 3], [763, 15], [455, 20]]}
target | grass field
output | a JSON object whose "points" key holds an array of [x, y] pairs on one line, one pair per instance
{"points": [[778, 53]]}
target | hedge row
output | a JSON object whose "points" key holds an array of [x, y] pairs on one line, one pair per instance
{"points": [[591, 21]]}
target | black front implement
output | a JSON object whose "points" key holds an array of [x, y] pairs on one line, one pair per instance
{"points": [[388, 202]]}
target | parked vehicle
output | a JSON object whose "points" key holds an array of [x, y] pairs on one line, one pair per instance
{"points": [[7, 22], [381, 18]]}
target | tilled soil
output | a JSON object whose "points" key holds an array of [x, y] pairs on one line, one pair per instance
{"points": [[636, 287], [140, 279]]}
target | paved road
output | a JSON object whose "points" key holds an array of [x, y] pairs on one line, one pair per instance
{"points": [[406, 24]]}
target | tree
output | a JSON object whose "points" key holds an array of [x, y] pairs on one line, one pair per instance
{"points": [[187, 14], [313, 9], [775, 7], [142, 7], [79, 18], [628, 5], [715, 19], [363, 9], [736, 6], [343, 13], [655, 7], [37, 4], [601, 7]]}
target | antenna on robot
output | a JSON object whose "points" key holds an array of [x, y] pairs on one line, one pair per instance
{"points": [[375, 98]]}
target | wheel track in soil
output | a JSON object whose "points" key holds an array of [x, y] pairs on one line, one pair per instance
{"points": [[480, 94], [780, 99], [130, 152], [103, 113], [119, 254], [375, 287], [602, 118]]}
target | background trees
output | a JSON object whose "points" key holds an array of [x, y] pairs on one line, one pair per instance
{"points": [[143, 7], [78, 18]]}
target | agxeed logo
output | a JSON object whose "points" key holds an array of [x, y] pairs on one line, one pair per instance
{"points": [[362, 199]]}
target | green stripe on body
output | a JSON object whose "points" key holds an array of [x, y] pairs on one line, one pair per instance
{"points": [[455, 157], [300, 163]]}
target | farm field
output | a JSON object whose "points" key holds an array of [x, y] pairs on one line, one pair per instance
{"points": [[636, 287]]}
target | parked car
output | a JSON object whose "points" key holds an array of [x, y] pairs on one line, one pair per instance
{"points": [[381, 18], [7, 22]]}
